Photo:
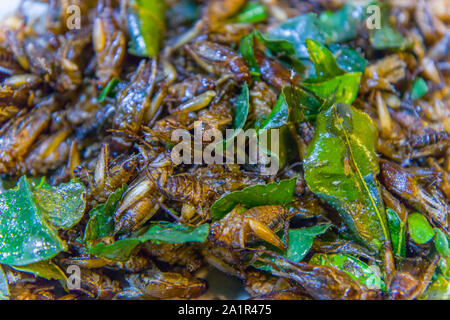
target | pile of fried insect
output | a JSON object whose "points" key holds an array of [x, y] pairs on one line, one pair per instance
{"points": [[92, 93]]}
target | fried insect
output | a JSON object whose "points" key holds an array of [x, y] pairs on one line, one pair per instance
{"points": [[220, 60], [176, 254], [194, 195], [109, 45], [324, 283], [164, 285], [107, 176], [49, 153], [240, 227], [134, 99], [402, 183], [139, 203], [18, 134]]}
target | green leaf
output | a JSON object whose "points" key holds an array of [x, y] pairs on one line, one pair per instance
{"points": [[146, 27], [324, 61], [64, 205], [441, 243], [252, 12], [158, 232], [419, 89], [279, 118], [397, 231], [179, 233], [279, 47], [246, 48], [26, 234], [348, 59], [118, 251], [279, 115], [101, 222], [344, 88], [296, 30], [439, 289], [302, 103], [273, 193], [300, 242], [330, 79], [355, 268], [44, 269], [343, 24], [387, 37], [108, 91], [4, 286], [241, 108], [419, 229], [341, 167]]}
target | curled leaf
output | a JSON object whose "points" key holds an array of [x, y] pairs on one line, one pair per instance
{"points": [[146, 26], [26, 236], [159, 232], [272, 193], [341, 167]]}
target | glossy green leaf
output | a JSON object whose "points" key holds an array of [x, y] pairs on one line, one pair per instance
{"points": [[44, 269], [159, 232], [419, 229], [108, 90], [241, 109], [26, 236], [272, 193], [63, 205], [324, 62], [441, 243], [146, 27], [419, 89], [397, 231], [282, 114], [101, 222], [348, 59], [300, 242], [330, 80], [341, 166], [344, 88], [246, 48], [4, 286], [253, 12], [296, 30], [355, 268], [279, 115], [278, 46], [342, 25]]}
